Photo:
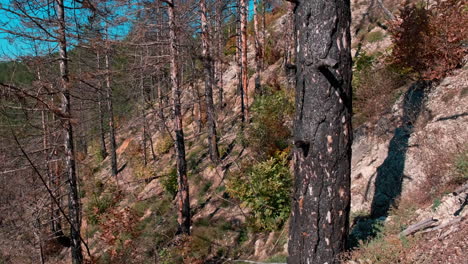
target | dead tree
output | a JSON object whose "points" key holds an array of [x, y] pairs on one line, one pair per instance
{"points": [[258, 49], [73, 199], [219, 47], [110, 110], [183, 201], [207, 63], [322, 132], [244, 63]]}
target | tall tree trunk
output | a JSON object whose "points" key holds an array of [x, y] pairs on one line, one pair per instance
{"points": [[290, 48], [239, 61], [183, 216], [102, 133], [143, 111], [258, 50], [245, 70], [219, 52], [162, 118], [73, 199], [197, 107], [290, 51], [322, 132], [110, 111], [207, 62]]}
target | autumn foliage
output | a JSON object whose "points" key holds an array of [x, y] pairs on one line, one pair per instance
{"points": [[430, 41]]}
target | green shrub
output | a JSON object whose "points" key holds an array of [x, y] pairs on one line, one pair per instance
{"points": [[437, 202], [461, 164], [272, 53], [169, 182], [98, 205], [141, 171], [265, 187], [95, 151], [460, 168], [269, 131], [277, 259], [170, 256], [375, 36], [164, 144]]}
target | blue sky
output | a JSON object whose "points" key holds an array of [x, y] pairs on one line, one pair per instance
{"points": [[11, 48]]}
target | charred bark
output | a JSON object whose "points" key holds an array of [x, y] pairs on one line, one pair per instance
{"points": [[207, 63], [110, 110], [102, 132], [73, 199], [258, 49], [244, 62], [183, 216], [219, 52], [240, 70], [322, 132]]}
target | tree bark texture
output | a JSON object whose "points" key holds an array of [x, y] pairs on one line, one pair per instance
{"points": [[102, 133], [183, 216], [73, 199], [110, 110], [207, 62], [219, 52], [239, 61], [244, 62], [258, 49], [322, 132]]}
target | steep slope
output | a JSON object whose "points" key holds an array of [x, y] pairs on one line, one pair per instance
{"points": [[399, 162], [407, 159], [131, 218]]}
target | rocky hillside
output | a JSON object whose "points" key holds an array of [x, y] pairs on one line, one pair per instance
{"points": [[409, 162]]}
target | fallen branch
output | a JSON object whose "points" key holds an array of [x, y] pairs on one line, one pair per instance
{"points": [[449, 223], [419, 226]]}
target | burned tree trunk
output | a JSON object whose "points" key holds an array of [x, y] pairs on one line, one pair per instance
{"points": [[322, 132], [258, 49], [207, 63], [183, 216], [219, 52], [110, 110], [244, 63], [73, 199], [102, 133]]}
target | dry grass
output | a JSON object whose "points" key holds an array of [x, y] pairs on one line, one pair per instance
{"points": [[387, 246]]}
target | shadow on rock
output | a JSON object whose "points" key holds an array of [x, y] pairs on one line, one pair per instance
{"points": [[389, 179]]}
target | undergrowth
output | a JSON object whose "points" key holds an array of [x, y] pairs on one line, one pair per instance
{"points": [[375, 87], [383, 244], [265, 187], [271, 119], [430, 41]]}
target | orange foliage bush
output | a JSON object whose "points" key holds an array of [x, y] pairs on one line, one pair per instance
{"points": [[431, 41]]}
